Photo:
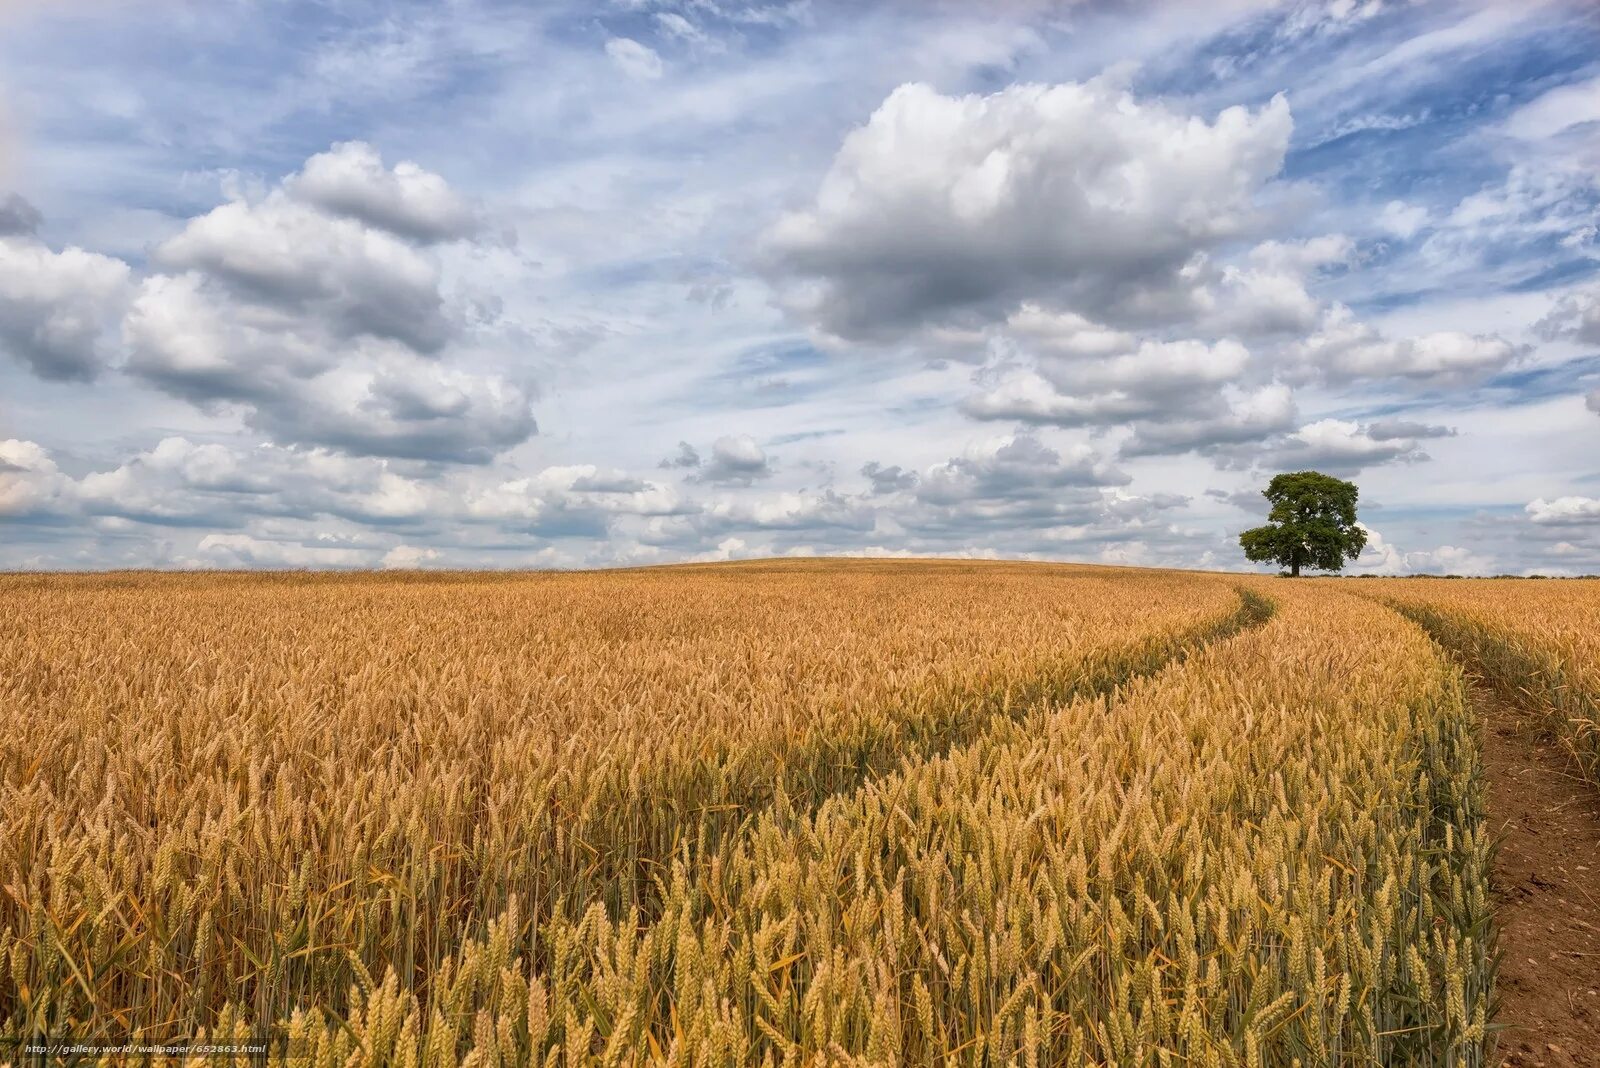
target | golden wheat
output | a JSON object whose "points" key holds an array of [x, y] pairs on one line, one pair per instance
{"points": [[1271, 853], [228, 798], [1537, 642], [778, 814]]}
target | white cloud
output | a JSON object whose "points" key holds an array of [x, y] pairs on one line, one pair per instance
{"points": [[1259, 432], [1024, 395], [1575, 316], [1328, 17], [1564, 510], [727, 549], [30, 482], [1345, 349], [675, 25], [1383, 557], [736, 459], [350, 179], [792, 510], [396, 404], [274, 494], [1337, 446], [890, 478], [1402, 219], [1066, 333], [1556, 111], [634, 59], [1013, 490], [1242, 417], [1505, 227], [408, 557], [1356, 124], [686, 456], [946, 206], [326, 329], [1450, 560], [575, 500], [281, 257], [56, 307], [181, 482], [1179, 394], [1016, 467], [1150, 381], [246, 551]]}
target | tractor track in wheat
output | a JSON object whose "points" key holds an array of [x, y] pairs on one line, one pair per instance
{"points": [[1546, 878]]}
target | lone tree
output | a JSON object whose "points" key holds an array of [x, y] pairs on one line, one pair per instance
{"points": [[1312, 524]]}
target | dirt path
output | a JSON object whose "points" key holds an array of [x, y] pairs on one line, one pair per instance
{"points": [[1547, 881]]}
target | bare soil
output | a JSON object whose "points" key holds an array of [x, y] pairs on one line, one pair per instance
{"points": [[1546, 879]]}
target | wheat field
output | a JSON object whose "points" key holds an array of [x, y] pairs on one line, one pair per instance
{"points": [[794, 813], [1538, 643]]}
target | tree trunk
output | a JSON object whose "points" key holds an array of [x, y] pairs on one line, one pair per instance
{"points": [[1295, 568]]}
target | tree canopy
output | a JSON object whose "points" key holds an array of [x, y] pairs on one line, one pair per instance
{"points": [[1312, 524]]}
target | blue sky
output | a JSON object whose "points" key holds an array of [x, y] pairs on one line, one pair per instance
{"points": [[524, 285]]}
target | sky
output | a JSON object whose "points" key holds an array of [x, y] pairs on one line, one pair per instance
{"points": [[526, 285]]}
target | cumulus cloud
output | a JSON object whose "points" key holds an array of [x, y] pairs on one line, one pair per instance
{"points": [[1564, 510], [1054, 366], [1065, 333], [1008, 495], [179, 482], [318, 311], [1262, 294], [1135, 510], [579, 500], [736, 460], [1575, 317], [1345, 349], [30, 482], [1208, 394], [1592, 401], [1336, 446], [1002, 466], [268, 503], [396, 405], [408, 558], [1149, 381], [1381, 556], [279, 257], [350, 179], [806, 510], [888, 479], [941, 207], [1242, 417], [1267, 295], [686, 456], [56, 307], [247, 551]]}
